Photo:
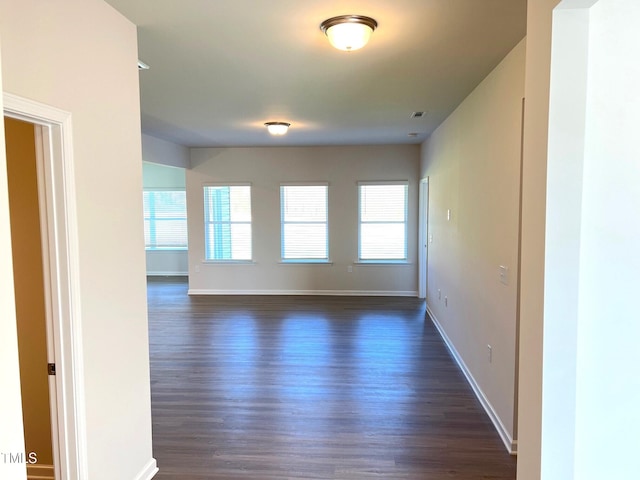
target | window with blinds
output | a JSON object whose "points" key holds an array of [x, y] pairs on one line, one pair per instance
{"points": [[165, 219], [304, 226], [227, 217], [383, 221]]}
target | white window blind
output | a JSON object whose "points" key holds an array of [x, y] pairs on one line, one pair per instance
{"points": [[304, 213], [165, 219], [227, 216], [383, 221]]}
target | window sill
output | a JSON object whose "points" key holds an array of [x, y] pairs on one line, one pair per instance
{"points": [[229, 262], [377, 263], [167, 249], [305, 262]]}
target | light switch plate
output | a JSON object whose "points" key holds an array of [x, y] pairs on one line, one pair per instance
{"points": [[504, 275]]}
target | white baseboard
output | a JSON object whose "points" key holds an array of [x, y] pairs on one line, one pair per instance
{"points": [[346, 293], [149, 471], [508, 441], [40, 472]]}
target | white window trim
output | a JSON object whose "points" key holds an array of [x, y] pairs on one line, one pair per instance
{"points": [[246, 261], [310, 261], [303, 261], [168, 249], [380, 261], [228, 262]]}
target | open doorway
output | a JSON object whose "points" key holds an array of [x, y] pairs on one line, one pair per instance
{"points": [[55, 212], [34, 334]]}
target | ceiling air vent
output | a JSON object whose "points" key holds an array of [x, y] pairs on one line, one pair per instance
{"points": [[417, 115]]}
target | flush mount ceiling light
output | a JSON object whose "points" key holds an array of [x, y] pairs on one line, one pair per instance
{"points": [[277, 128], [348, 32]]}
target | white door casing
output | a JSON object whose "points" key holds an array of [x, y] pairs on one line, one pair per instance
{"points": [[60, 254]]}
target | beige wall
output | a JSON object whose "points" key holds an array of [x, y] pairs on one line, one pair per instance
{"points": [[11, 433], [266, 168], [156, 150], [473, 164], [29, 287], [80, 56], [536, 121]]}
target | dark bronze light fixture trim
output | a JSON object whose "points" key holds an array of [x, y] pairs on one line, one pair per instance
{"points": [[349, 32], [333, 21], [277, 128]]}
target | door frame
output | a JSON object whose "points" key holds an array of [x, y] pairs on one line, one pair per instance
{"points": [[56, 192], [423, 237]]}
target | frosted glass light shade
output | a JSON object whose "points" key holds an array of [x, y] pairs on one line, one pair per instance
{"points": [[349, 32], [277, 128]]}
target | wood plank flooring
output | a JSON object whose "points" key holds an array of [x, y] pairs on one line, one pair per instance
{"points": [[274, 388]]}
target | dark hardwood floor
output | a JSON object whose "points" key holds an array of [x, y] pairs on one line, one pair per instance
{"points": [[280, 388]]}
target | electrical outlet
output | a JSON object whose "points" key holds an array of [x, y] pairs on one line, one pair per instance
{"points": [[197, 268], [350, 269], [490, 354], [448, 214], [430, 238]]}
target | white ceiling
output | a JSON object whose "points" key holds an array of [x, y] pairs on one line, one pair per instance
{"points": [[220, 69]]}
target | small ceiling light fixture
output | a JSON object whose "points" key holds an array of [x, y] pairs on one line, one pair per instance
{"points": [[348, 32], [142, 65], [277, 128]]}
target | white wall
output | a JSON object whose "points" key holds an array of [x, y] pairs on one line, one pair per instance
{"points": [[45, 50], [473, 164], [564, 181], [265, 168], [607, 380], [164, 262], [591, 390], [156, 150], [534, 172]]}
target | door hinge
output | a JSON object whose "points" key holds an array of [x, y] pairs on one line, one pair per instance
{"points": [[51, 368]]}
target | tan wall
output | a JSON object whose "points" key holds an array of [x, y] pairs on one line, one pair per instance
{"points": [[29, 287], [534, 189], [158, 151], [265, 169], [473, 164], [45, 47]]}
